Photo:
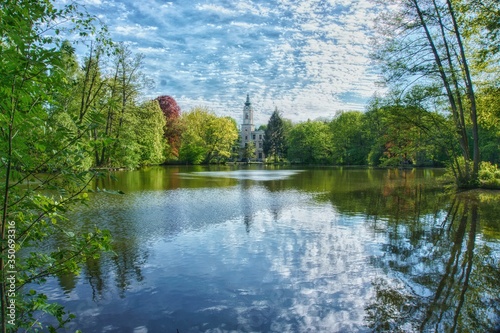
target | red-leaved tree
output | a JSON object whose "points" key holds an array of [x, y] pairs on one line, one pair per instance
{"points": [[172, 113]]}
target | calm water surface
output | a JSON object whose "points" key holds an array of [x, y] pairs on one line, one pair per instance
{"points": [[287, 250]]}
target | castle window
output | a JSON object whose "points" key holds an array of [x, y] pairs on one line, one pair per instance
{"points": [[253, 136]]}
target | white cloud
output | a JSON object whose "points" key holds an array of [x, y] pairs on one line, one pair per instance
{"points": [[89, 2], [135, 30], [245, 25], [216, 8], [250, 7]]}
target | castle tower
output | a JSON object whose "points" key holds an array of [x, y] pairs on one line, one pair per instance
{"points": [[249, 134], [247, 127]]}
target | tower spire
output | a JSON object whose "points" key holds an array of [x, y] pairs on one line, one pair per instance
{"points": [[248, 113]]}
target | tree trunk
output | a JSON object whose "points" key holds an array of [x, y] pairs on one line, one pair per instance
{"points": [[470, 94]]}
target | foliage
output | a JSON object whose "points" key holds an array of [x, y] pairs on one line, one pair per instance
{"points": [[349, 143], [173, 128], [206, 138], [249, 151], [116, 140], [405, 132], [275, 137], [119, 109], [483, 27], [109, 100], [489, 122], [310, 142], [36, 71], [236, 148], [149, 133], [169, 107], [489, 175]]}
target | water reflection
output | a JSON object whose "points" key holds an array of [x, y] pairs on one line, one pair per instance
{"points": [[319, 250], [443, 276]]}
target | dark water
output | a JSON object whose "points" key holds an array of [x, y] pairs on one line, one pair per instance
{"points": [[288, 250]]}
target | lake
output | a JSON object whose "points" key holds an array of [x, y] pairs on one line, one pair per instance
{"points": [[281, 249]]}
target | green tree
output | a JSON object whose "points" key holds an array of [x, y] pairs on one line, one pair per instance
{"points": [[348, 140], [274, 137], [480, 18], [489, 124], [127, 81], [149, 126], [424, 40], [310, 142], [83, 99], [110, 101], [249, 151], [33, 64], [206, 138], [114, 141], [402, 131]]}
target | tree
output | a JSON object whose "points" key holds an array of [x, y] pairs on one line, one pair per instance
{"points": [[424, 41], [110, 101], [206, 138], [403, 131], [172, 113], [249, 151], [274, 137], [310, 142], [149, 131], [480, 17], [348, 140], [33, 64], [82, 102], [489, 123], [116, 143], [221, 133]]}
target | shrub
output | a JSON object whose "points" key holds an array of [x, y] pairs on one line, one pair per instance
{"points": [[489, 175]]}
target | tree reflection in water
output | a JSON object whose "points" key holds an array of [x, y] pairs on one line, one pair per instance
{"points": [[440, 279]]}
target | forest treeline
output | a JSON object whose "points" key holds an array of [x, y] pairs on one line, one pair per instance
{"points": [[64, 117]]}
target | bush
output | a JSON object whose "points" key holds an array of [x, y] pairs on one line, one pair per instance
{"points": [[489, 175]]}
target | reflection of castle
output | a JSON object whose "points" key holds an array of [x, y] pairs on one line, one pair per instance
{"points": [[249, 134]]}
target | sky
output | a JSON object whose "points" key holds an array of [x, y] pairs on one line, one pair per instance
{"points": [[308, 58]]}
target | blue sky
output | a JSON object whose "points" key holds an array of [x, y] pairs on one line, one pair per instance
{"points": [[309, 58]]}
